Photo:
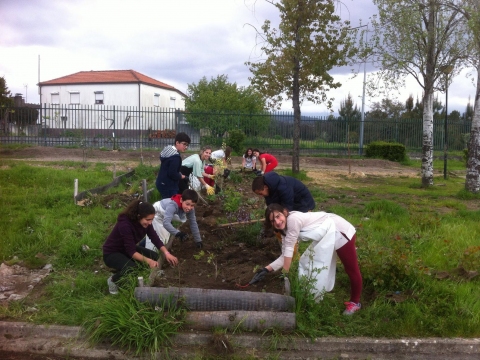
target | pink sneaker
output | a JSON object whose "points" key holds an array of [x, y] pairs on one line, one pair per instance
{"points": [[351, 307]]}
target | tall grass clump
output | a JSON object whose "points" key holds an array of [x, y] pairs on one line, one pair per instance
{"points": [[136, 327]]}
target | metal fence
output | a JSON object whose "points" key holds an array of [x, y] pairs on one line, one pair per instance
{"points": [[114, 127]]}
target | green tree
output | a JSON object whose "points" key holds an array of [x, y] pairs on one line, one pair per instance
{"points": [[309, 41], [349, 110], [6, 102], [349, 116], [24, 116], [438, 109], [386, 109], [455, 116], [219, 106], [5, 94], [419, 38], [468, 114]]}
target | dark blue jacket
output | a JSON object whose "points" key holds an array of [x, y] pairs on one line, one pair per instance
{"points": [[288, 192], [169, 174]]}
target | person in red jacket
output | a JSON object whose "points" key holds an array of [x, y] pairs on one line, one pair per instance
{"points": [[120, 250], [266, 162]]}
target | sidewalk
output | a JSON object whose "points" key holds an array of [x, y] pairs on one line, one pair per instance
{"points": [[68, 341]]}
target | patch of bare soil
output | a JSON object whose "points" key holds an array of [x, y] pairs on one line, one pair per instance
{"points": [[16, 281], [354, 167], [230, 255]]}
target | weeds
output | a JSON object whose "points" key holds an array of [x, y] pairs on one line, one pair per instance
{"points": [[134, 326], [211, 260]]}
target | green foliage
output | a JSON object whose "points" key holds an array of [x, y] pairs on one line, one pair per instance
{"points": [[5, 99], [232, 201], [310, 41], [387, 266], [216, 105], [248, 234], [387, 151], [135, 326], [235, 140], [214, 141], [465, 156], [24, 116], [348, 110], [389, 109]]}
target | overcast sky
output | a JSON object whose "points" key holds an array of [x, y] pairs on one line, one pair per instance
{"points": [[176, 42]]}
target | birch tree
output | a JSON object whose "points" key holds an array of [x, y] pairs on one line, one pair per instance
{"points": [[419, 38], [471, 11], [310, 40]]}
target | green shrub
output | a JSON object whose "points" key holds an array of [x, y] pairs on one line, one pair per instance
{"points": [[388, 151], [387, 267], [214, 141], [235, 140]]}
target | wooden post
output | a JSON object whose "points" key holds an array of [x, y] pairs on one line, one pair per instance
{"points": [[75, 190], [239, 223], [144, 189], [201, 198], [114, 171]]}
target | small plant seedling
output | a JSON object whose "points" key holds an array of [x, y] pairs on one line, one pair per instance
{"points": [[211, 260], [199, 255]]}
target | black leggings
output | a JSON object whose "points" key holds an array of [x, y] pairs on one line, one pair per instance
{"points": [[123, 263], [183, 183]]}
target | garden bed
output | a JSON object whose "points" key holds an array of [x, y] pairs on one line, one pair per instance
{"points": [[231, 254]]}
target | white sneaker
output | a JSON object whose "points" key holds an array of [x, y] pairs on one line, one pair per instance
{"points": [[112, 287]]}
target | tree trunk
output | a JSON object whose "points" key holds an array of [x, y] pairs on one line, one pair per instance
{"points": [[429, 78], [296, 131], [472, 179], [427, 142], [296, 108]]}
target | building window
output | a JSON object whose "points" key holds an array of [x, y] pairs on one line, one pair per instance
{"points": [[75, 97], [156, 99], [55, 98], [172, 102], [98, 97]]}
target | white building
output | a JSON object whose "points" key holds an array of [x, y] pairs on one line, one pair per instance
{"points": [[86, 100]]}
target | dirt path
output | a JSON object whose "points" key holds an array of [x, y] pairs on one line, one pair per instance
{"points": [[318, 166]]}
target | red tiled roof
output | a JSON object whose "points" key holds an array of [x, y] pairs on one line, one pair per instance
{"points": [[107, 77]]}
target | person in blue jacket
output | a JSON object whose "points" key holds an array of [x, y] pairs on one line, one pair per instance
{"points": [[284, 190], [169, 174]]}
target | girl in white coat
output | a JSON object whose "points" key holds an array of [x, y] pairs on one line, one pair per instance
{"points": [[331, 235]]}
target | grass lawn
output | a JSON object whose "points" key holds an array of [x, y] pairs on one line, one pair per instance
{"points": [[418, 250]]}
